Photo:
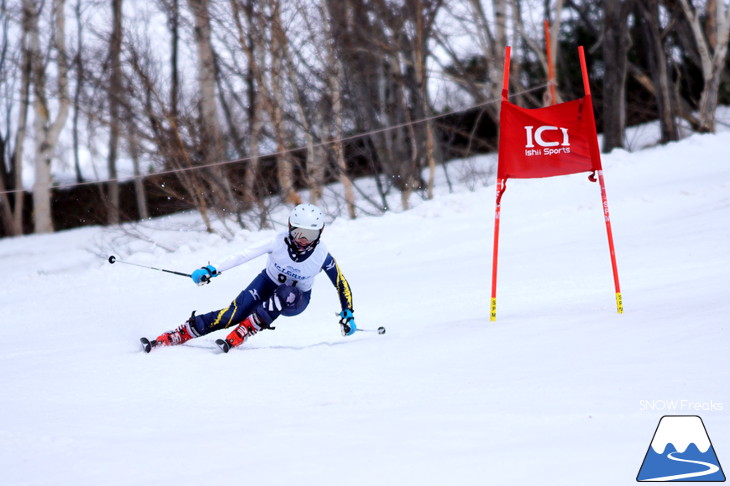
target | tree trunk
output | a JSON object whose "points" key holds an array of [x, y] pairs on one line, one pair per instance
{"points": [[555, 17], [79, 65], [25, 87], [168, 132], [335, 75], [493, 54], [659, 70], [423, 19], [139, 190], [250, 26], [14, 225], [712, 12], [114, 93], [284, 165], [358, 44], [46, 131], [315, 163], [254, 77], [212, 144], [6, 213], [712, 60], [615, 51], [174, 26]]}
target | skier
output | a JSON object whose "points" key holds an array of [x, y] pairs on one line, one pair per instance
{"points": [[284, 287]]}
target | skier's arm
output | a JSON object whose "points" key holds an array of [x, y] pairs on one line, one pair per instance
{"points": [[338, 280], [347, 321], [251, 252]]}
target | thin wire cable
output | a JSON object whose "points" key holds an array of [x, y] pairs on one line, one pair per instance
{"points": [[282, 152]]}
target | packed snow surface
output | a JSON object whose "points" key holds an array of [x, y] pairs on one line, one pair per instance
{"points": [[560, 389]]}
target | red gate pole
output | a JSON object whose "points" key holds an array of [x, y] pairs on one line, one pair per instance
{"points": [[501, 186], [596, 153]]}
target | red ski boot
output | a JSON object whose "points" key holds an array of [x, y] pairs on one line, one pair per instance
{"points": [[180, 335], [250, 326]]}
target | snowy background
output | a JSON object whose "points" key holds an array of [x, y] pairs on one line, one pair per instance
{"points": [[559, 390]]}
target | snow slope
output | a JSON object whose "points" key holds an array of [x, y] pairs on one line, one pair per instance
{"points": [[553, 392]]}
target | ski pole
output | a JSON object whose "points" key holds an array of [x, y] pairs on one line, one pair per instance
{"points": [[380, 330], [113, 259]]}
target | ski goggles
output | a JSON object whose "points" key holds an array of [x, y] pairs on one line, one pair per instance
{"points": [[308, 234]]}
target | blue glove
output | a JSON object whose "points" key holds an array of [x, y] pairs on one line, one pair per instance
{"points": [[204, 274], [347, 322]]}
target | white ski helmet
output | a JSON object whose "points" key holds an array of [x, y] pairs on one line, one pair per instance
{"points": [[306, 216], [306, 223]]}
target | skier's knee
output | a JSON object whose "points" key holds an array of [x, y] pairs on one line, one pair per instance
{"points": [[197, 323], [292, 300], [287, 301]]}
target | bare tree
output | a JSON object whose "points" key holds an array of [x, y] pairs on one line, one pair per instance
{"points": [[173, 137], [712, 57], [79, 68], [423, 16], [662, 83], [212, 145], [11, 206], [383, 49], [277, 76], [174, 27], [330, 89], [25, 84], [249, 40], [554, 16], [47, 131], [335, 77], [615, 56], [133, 147], [407, 31], [492, 42], [315, 161], [114, 93]]}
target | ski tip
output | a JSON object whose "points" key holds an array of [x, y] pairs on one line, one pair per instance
{"points": [[146, 344], [223, 345]]}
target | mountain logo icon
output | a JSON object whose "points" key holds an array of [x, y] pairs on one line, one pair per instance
{"points": [[681, 451]]}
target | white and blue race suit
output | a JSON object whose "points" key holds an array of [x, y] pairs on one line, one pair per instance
{"points": [[284, 287]]}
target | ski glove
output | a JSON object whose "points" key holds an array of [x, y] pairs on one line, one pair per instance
{"points": [[347, 322], [203, 275]]}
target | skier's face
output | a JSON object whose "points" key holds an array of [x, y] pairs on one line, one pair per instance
{"points": [[304, 237]]}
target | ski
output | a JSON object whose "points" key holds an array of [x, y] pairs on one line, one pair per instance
{"points": [[147, 345], [225, 347]]}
